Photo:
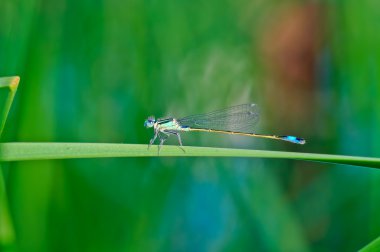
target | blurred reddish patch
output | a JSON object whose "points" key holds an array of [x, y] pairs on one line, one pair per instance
{"points": [[290, 46]]}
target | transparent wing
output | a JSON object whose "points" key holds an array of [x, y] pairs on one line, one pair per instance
{"points": [[237, 118]]}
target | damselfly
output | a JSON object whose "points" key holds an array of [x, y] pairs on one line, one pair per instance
{"points": [[236, 120]]}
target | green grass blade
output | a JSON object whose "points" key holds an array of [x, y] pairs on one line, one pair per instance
{"points": [[372, 246], [38, 151], [8, 88]]}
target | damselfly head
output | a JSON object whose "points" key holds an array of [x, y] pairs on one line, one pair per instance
{"points": [[149, 122]]}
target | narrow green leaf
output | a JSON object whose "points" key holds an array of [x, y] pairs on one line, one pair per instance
{"points": [[37, 151], [372, 246], [8, 87]]}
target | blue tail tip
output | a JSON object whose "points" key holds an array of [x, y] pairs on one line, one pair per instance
{"points": [[294, 139]]}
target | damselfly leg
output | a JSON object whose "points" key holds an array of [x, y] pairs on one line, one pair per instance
{"points": [[153, 139], [180, 142], [163, 137]]}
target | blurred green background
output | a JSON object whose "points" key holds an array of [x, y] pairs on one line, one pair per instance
{"points": [[92, 71]]}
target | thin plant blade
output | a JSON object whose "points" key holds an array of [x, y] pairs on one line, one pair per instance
{"points": [[39, 151], [372, 246], [8, 88]]}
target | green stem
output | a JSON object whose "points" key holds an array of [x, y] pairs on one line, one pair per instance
{"points": [[372, 246], [38, 151], [10, 83]]}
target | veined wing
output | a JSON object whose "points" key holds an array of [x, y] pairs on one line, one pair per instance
{"points": [[237, 118]]}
